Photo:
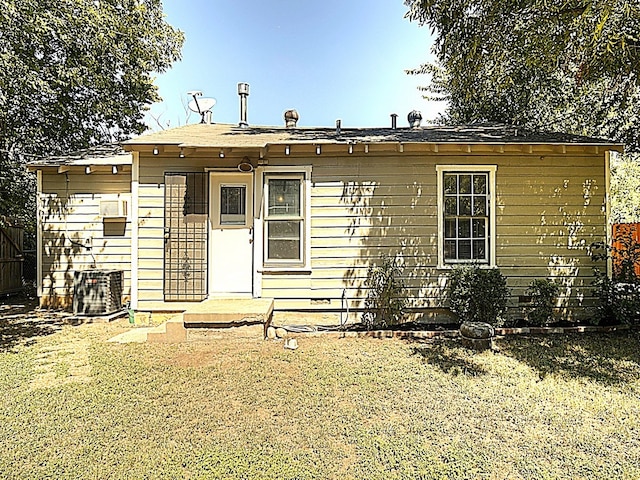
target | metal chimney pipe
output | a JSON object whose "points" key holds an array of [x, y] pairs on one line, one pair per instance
{"points": [[394, 121], [338, 126], [243, 91]]}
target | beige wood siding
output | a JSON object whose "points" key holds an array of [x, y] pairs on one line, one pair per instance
{"points": [[151, 221], [69, 205], [549, 210]]}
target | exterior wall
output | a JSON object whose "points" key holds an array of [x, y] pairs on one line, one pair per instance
{"points": [[550, 208], [151, 221], [70, 219], [549, 212]]}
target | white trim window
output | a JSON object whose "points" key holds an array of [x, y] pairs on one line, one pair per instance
{"points": [[466, 216], [285, 223]]}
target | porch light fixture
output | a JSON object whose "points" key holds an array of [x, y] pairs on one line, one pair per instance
{"points": [[366, 148], [181, 154], [318, 150], [221, 153], [114, 169], [351, 148], [87, 170], [155, 150], [287, 150]]}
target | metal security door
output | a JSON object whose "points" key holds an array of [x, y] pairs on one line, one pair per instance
{"points": [[186, 215]]}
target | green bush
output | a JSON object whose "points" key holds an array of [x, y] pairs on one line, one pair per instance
{"points": [[478, 294], [618, 296], [543, 293], [617, 302], [386, 300]]}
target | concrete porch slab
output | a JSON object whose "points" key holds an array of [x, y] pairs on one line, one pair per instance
{"points": [[223, 312]]}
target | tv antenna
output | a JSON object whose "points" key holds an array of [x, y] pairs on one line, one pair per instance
{"points": [[202, 106]]}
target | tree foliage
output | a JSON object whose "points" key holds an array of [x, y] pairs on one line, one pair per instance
{"points": [[625, 190], [569, 65], [73, 74]]}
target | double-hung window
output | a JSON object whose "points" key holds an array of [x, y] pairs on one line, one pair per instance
{"points": [[466, 217], [285, 224]]}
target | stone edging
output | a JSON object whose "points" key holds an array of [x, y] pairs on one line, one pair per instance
{"points": [[551, 330], [431, 334]]}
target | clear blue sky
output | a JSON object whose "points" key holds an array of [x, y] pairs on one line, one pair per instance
{"points": [[328, 59]]}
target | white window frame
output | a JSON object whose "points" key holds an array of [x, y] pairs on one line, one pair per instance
{"points": [[485, 169], [303, 173]]}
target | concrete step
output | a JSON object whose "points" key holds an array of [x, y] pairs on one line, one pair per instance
{"points": [[212, 314], [229, 312], [171, 331]]}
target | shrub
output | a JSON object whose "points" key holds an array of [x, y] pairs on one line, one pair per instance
{"points": [[478, 294], [543, 293], [618, 297], [386, 300]]}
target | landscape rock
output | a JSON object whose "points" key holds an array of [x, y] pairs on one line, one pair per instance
{"points": [[476, 330], [477, 335], [281, 332], [271, 333]]}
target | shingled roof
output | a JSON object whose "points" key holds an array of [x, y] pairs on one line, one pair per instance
{"points": [[226, 135], [111, 154]]}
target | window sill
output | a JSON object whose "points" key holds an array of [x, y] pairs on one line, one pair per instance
{"points": [[451, 266], [285, 270]]}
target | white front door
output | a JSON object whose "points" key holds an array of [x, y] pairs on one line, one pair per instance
{"points": [[231, 245]]}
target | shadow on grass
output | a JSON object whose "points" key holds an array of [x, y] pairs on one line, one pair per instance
{"points": [[611, 358], [450, 358], [20, 324]]}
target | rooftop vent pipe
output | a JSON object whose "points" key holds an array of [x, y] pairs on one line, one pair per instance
{"points": [[338, 126], [414, 117], [394, 121], [291, 118], [243, 91]]}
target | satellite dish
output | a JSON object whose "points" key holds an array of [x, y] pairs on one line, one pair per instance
{"points": [[202, 106]]}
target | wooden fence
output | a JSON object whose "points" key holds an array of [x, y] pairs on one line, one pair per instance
{"points": [[626, 247], [11, 257]]}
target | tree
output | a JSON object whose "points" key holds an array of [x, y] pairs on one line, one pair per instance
{"points": [[570, 65], [625, 190], [74, 74]]}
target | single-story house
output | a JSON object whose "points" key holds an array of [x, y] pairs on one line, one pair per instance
{"points": [[208, 211]]}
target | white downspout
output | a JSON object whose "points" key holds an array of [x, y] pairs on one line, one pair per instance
{"points": [[135, 178], [40, 252], [607, 207]]}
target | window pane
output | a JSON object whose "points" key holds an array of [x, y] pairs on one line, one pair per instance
{"points": [[450, 249], [283, 240], [450, 228], [465, 184], [479, 250], [465, 206], [479, 206], [450, 206], [284, 197], [232, 205], [464, 249], [451, 184], [479, 184], [464, 228], [479, 228]]}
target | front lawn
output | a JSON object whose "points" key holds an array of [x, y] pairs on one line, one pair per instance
{"points": [[74, 406]]}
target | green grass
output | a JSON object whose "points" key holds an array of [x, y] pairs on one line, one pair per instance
{"points": [[74, 406]]}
